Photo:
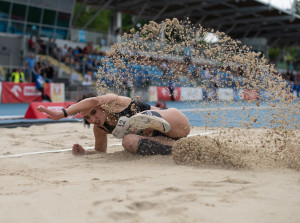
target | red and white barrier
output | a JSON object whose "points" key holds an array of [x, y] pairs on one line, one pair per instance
{"points": [[191, 94], [152, 93], [57, 92], [32, 112], [196, 94], [225, 94], [27, 92], [250, 95], [163, 94]]}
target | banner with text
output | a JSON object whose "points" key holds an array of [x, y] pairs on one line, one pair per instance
{"points": [[57, 92], [152, 93], [225, 94], [191, 94], [27, 92], [164, 94]]}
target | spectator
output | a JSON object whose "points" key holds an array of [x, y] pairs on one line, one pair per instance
{"points": [[51, 46], [64, 52], [290, 82], [68, 60], [41, 46], [74, 78], [171, 89], [87, 79], [89, 49], [77, 65], [29, 63], [39, 83], [89, 65], [40, 64], [17, 76], [30, 44], [76, 52], [206, 74], [50, 73], [297, 84]]}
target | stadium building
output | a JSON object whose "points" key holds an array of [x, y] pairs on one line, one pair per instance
{"points": [[32, 17]]}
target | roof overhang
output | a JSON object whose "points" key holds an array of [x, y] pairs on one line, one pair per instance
{"points": [[240, 19]]}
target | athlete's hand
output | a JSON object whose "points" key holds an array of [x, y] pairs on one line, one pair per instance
{"points": [[51, 114], [77, 150]]}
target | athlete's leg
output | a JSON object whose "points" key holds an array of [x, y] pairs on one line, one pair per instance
{"points": [[146, 145], [177, 126], [148, 119], [180, 126]]}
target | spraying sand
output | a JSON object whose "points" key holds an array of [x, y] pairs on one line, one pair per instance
{"points": [[232, 149], [246, 71]]}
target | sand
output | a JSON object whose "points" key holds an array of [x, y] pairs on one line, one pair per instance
{"points": [[123, 187]]}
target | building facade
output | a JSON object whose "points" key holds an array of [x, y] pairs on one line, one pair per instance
{"points": [[47, 18]]}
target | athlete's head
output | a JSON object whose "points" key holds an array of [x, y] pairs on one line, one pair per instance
{"points": [[92, 115]]}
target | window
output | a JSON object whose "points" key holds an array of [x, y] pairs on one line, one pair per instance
{"points": [[47, 32], [32, 30], [16, 27], [3, 26], [34, 14], [18, 12], [49, 17], [4, 9], [63, 19], [61, 34]]}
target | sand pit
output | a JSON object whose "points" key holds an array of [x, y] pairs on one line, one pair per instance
{"points": [[123, 187]]}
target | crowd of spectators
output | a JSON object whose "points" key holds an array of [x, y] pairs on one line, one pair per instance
{"points": [[80, 59], [36, 71], [33, 69]]}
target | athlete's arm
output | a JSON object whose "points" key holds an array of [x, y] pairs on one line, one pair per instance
{"points": [[100, 139], [109, 99], [100, 143], [89, 103]]}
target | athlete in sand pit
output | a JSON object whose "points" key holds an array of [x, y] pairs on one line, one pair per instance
{"points": [[145, 129]]}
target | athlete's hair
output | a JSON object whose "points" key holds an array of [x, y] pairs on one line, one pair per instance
{"points": [[89, 95]]}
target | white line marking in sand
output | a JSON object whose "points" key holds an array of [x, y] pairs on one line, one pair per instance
{"points": [[87, 148]]}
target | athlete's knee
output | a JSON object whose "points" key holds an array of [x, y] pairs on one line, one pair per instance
{"points": [[173, 110], [186, 129], [130, 142]]}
